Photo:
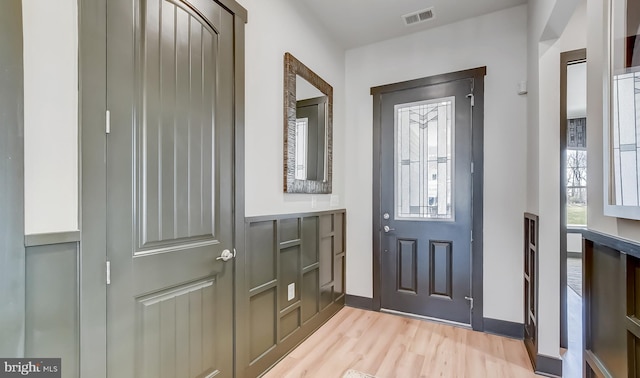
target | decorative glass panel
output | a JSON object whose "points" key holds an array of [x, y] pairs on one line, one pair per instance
{"points": [[302, 127], [424, 159]]}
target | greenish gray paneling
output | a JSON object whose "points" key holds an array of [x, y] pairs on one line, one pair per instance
{"points": [[326, 260], [338, 230], [339, 278], [12, 259], [289, 272], [52, 307], [309, 295], [310, 237], [289, 230], [289, 323], [34, 240], [306, 251], [606, 309], [262, 323], [261, 256]]}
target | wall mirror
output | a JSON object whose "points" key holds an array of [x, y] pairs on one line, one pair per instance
{"points": [[622, 111], [308, 124]]}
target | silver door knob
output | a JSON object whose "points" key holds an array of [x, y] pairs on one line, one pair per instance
{"points": [[226, 255], [387, 229]]}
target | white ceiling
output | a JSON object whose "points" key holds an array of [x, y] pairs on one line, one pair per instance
{"points": [[359, 22]]}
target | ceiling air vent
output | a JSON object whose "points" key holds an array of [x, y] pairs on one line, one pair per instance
{"points": [[419, 16]]}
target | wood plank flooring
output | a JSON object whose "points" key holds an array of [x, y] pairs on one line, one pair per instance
{"points": [[389, 346]]}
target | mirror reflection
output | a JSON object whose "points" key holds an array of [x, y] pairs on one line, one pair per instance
{"points": [[311, 108], [308, 112]]}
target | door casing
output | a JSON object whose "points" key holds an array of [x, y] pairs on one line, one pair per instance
{"points": [[566, 58], [12, 251], [477, 74], [92, 117]]}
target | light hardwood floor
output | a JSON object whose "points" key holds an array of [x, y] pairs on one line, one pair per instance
{"points": [[389, 346]]}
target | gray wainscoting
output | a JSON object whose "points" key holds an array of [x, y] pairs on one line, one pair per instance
{"points": [[611, 306], [303, 250], [52, 304]]}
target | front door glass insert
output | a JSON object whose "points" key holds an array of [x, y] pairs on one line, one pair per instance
{"points": [[424, 159]]}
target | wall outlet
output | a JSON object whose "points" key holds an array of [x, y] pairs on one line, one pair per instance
{"points": [[291, 293]]}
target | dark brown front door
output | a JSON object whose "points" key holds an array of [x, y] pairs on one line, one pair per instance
{"points": [[426, 186], [170, 189]]}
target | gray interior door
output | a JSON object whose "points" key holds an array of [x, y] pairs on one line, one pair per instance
{"points": [[426, 201], [169, 189]]}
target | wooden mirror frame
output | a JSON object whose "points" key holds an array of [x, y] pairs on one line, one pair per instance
{"points": [[292, 68]]}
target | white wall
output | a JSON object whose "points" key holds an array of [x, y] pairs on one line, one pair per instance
{"points": [[51, 109], [276, 27], [498, 41], [50, 115], [562, 29]]}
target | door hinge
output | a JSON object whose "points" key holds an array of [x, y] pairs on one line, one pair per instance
{"points": [[107, 122], [472, 97], [472, 236], [108, 272], [471, 167], [470, 299]]}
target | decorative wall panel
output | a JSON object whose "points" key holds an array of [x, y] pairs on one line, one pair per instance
{"points": [[288, 303], [611, 331], [51, 308]]}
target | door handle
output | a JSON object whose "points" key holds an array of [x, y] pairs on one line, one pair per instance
{"points": [[387, 229], [226, 255]]}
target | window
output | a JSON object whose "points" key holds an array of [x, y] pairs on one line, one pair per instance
{"points": [[577, 171]]}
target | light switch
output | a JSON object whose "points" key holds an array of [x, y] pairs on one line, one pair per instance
{"points": [[291, 291]]}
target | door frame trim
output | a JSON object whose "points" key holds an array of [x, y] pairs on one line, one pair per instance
{"points": [[566, 58], [12, 248], [477, 138], [92, 43]]}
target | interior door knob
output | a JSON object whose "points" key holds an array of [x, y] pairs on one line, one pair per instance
{"points": [[226, 255], [387, 229]]}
